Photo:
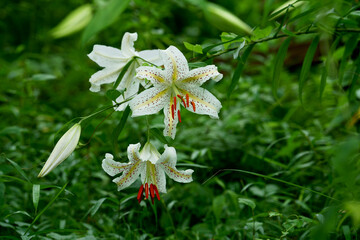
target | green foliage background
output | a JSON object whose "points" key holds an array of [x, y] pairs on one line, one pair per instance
{"points": [[281, 163]]}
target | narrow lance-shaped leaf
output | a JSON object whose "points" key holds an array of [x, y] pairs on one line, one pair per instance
{"points": [[95, 208], [327, 64], [159, 135], [104, 17], [18, 168], [307, 65], [36, 196], [350, 46], [354, 79], [123, 71], [118, 129], [279, 61], [239, 68]]}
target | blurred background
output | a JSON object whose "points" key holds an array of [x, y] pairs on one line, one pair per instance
{"points": [[307, 153]]}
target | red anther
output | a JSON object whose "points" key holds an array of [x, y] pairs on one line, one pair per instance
{"points": [[187, 100], [152, 190], [146, 191], [179, 96], [157, 192], [139, 196], [193, 105], [179, 117], [172, 111], [175, 103]]}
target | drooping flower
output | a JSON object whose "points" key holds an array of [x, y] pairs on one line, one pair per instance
{"points": [[63, 148], [176, 86], [113, 61], [150, 165]]}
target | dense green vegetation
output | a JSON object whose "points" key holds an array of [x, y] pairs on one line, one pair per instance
{"points": [[282, 162]]}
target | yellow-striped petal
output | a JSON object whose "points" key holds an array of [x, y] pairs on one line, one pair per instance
{"points": [[152, 74], [176, 65], [200, 75]]}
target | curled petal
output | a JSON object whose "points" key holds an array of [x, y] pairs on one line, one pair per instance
{"points": [[127, 44], [154, 75], [152, 56], [133, 170], [149, 101], [205, 102], [107, 75], [200, 75], [167, 161], [176, 65], [106, 56], [111, 167]]}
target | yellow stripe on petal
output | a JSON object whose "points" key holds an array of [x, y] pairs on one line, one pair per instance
{"points": [[152, 100], [197, 99], [197, 77], [149, 75]]}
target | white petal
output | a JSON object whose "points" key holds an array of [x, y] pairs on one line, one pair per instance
{"points": [[130, 92], [150, 101], [135, 167], [106, 56], [152, 56], [169, 121], [200, 75], [111, 167], [107, 75], [160, 179], [153, 74], [176, 65], [127, 44], [167, 162], [205, 102]]}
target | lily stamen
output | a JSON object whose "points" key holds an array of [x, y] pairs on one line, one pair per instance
{"points": [[157, 192], [187, 100], [140, 193], [193, 105], [182, 99], [146, 191], [175, 102], [179, 116], [172, 111]]}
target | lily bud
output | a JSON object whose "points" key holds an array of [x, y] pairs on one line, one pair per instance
{"points": [[63, 148]]}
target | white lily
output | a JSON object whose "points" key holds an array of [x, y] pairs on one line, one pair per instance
{"points": [[63, 148], [150, 165], [114, 60], [174, 86]]}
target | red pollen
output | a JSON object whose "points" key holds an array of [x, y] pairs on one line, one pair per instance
{"points": [[146, 191], [157, 192], [139, 196], [152, 190], [175, 103], [179, 116], [187, 100], [193, 105], [172, 111]]}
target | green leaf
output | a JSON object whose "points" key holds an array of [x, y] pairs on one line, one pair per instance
{"points": [[195, 48], [18, 168], [247, 202], [113, 94], [74, 22], [279, 61], [197, 64], [2, 194], [347, 232], [123, 71], [159, 135], [118, 129], [104, 17], [94, 208], [46, 207], [259, 33], [239, 68], [350, 46], [307, 65], [354, 79], [36, 196], [327, 65]]}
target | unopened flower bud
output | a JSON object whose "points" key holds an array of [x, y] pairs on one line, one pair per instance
{"points": [[63, 148]]}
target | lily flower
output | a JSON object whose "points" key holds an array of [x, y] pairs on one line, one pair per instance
{"points": [[173, 87], [150, 165], [63, 148], [113, 61]]}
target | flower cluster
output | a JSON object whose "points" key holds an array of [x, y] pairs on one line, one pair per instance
{"points": [[167, 84]]}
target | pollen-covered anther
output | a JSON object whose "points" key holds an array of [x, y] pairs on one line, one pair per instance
{"points": [[175, 102], [172, 111], [140, 193], [187, 100], [193, 105], [156, 192], [146, 191], [179, 116], [152, 193]]}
